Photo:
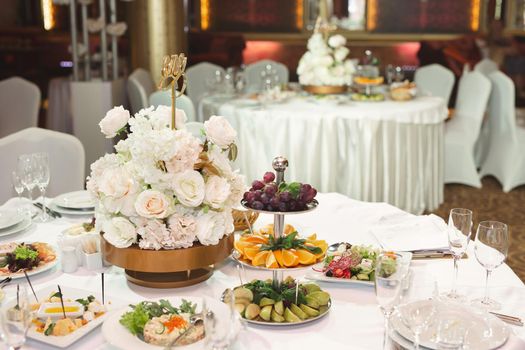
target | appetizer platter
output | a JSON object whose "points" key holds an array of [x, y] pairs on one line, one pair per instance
{"points": [[34, 257], [262, 250], [259, 302], [157, 324], [84, 312], [353, 264]]}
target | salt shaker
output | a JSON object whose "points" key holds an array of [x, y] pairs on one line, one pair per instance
{"points": [[69, 259]]}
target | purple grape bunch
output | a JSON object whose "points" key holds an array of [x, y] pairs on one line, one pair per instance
{"points": [[266, 195]]}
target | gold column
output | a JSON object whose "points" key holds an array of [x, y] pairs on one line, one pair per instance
{"points": [[156, 29]]}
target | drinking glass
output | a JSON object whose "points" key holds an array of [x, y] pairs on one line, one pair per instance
{"points": [[19, 189], [399, 74], [459, 232], [417, 316], [221, 328], [390, 72], [26, 167], [42, 180], [16, 319], [491, 247], [451, 333], [388, 282]]}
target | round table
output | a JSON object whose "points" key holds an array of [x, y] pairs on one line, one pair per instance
{"points": [[354, 320], [373, 151]]}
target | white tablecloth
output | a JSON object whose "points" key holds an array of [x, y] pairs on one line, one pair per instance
{"points": [[354, 322], [383, 151]]}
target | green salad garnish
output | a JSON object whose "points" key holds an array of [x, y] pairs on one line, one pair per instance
{"points": [[23, 252]]}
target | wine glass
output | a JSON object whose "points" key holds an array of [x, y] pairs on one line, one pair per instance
{"points": [[42, 180], [388, 282], [416, 316], [451, 330], [459, 232], [491, 247], [26, 167], [19, 189], [16, 318], [221, 328]]}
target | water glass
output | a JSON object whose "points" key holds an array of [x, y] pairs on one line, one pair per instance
{"points": [[221, 328], [26, 168], [16, 318], [388, 282], [451, 333], [491, 248], [42, 175], [459, 232], [417, 316]]}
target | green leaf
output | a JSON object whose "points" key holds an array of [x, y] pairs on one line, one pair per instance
{"points": [[205, 209], [49, 329]]}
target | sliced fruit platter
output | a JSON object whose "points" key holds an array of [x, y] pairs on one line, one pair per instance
{"points": [[261, 303], [262, 249], [351, 263], [32, 257]]}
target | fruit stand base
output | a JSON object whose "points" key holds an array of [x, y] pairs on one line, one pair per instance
{"points": [[169, 279]]}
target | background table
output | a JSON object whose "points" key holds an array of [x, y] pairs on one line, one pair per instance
{"points": [[373, 151], [354, 320]]}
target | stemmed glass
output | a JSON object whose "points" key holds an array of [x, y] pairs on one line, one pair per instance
{"points": [[19, 188], [417, 316], [42, 179], [388, 282], [221, 328], [26, 167], [16, 319], [491, 247], [459, 231]]}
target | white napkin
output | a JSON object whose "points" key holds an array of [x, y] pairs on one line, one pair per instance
{"points": [[412, 233]]}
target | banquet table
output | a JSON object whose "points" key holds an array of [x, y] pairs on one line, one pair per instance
{"points": [[385, 151], [354, 321]]}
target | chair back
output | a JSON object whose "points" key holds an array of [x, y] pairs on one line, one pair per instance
{"points": [[195, 128], [435, 80], [140, 85], [502, 110], [66, 159], [486, 66], [253, 73], [197, 76], [20, 101], [471, 102], [163, 98]]}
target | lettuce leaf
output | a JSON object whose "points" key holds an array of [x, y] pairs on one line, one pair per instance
{"points": [[135, 320]]}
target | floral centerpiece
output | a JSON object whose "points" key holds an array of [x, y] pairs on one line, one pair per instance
{"points": [[164, 188], [326, 62]]}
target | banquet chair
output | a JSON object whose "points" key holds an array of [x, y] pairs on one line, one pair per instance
{"points": [[195, 128], [163, 98], [462, 131], [505, 157], [253, 74], [66, 159], [197, 76], [20, 101], [139, 86], [486, 66], [435, 80]]}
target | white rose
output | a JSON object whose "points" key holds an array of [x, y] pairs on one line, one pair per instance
{"points": [[212, 226], [188, 151], [220, 160], [115, 119], [161, 118], [237, 190], [152, 204], [117, 182], [216, 192], [336, 41], [326, 60], [120, 232], [219, 131], [341, 53], [189, 188]]}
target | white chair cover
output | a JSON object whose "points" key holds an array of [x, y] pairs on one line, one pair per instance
{"points": [[140, 86], [486, 66], [66, 159], [20, 101], [435, 80], [163, 98], [462, 131], [195, 128], [197, 76], [253, 73], [506, 158]]}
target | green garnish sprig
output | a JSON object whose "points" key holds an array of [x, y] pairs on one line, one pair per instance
{"points": [[289, 242]]}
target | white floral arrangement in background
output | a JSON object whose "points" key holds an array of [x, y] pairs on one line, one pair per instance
{"points": [[326, 62], [164, 188]]}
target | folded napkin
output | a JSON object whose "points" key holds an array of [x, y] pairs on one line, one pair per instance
{"points": [[411, 233]]}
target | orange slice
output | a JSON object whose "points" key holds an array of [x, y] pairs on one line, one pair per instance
{"points": [[271, 261], [289, 258], [279, 257], [257, 239], [241, 245], [305, 257], [260, 258], [312, 237], [251, 252]]}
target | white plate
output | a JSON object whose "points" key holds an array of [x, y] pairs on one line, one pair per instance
{"points": [[118, 336], [42, 268], [16, 228], [9, 218], [320, 276], [486, 332], [66, 211], [70, 293], [75, 200]]}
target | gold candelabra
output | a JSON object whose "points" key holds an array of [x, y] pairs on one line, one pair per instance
{"points": [[173, 68]]}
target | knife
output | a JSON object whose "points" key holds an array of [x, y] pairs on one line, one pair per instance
{"points": [[49, 211]]}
